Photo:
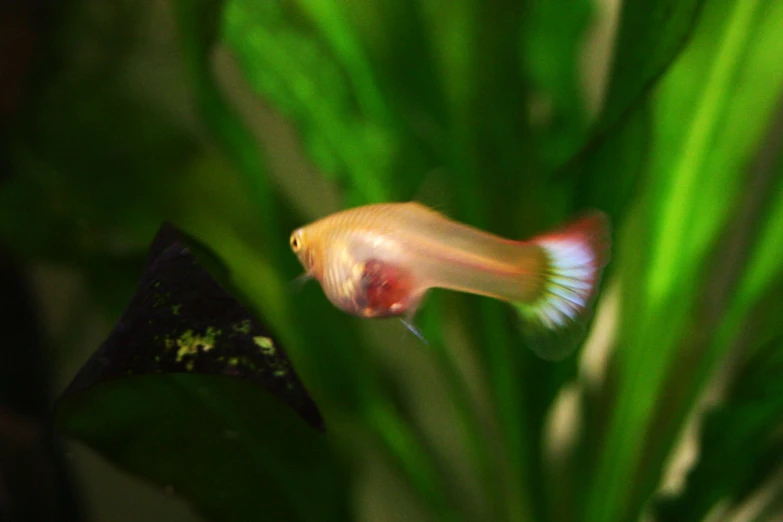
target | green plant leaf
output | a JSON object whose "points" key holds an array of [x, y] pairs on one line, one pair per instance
{"points": [[130, 124], [185, 392], [611, 176], [234, 451], [552, 36], [738, 449], [304, 59], [37, 477], [725, 85], [199, 24], [103, 169], [650, 36]]}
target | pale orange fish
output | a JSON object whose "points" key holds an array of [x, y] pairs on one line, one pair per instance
{"points": [[380, 260]]}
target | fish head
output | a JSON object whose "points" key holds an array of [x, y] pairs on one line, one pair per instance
{"points": [[305, 247]]}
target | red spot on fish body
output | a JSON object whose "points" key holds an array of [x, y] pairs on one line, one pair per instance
{"points": [[385, 290]]}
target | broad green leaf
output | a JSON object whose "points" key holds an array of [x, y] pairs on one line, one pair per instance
{"points": [[234, 451], [164, 398]]}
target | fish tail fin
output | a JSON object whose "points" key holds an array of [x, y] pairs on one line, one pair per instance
{"points": [[555, 321]]}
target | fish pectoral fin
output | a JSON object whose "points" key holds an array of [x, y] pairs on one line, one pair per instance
{"points": [[414, 330], [299, 281], [407, 319]]}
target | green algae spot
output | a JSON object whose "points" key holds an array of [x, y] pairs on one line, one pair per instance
{"points": [[266, 344], [243, 327], [175, 309], [189, 343], [233, 361], [190, 365], [211, 335]]}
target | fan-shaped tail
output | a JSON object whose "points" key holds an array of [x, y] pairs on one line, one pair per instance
{"points": [[575, 256]]}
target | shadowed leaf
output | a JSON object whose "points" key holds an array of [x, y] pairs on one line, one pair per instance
{"points": [[738, 435], [551, 39], [182, 321], [192, 392], [650, 36], [309, 65], [36, 477], [709, 113]]}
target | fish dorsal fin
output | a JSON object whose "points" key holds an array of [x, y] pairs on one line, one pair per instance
{"points": [[435, 190]]}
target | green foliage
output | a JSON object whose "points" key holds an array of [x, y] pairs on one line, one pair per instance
{"points": [[231, 462], [740, 448], [685, 156], [650, 36]]}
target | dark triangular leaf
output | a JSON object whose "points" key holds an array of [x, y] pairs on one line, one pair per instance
{"points": [[193, 393], [182, 321]]}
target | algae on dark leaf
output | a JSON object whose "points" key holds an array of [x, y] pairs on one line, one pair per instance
{"points": [[192, 392], [182, 321]]}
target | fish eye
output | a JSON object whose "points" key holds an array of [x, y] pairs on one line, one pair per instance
{"points": [[296, 244]]}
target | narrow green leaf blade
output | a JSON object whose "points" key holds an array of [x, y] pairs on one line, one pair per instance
{"points": [[651, 35], [739, 448], [724, 86], [551, 41]]}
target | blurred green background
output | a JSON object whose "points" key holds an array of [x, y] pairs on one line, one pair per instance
{"points": [[240, 120]]}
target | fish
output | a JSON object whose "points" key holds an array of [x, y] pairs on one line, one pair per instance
{"points": [[380, 260]]}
